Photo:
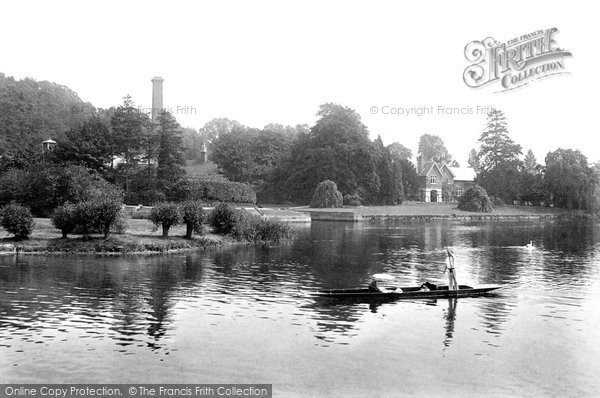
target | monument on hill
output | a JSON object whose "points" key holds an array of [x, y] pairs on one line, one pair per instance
{"points": [[157, 96]]}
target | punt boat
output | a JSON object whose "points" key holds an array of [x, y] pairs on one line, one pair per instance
{"points": [[413, 292]]}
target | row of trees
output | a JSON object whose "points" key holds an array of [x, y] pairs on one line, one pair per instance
{"points": [[566, 180], [286, 164]]}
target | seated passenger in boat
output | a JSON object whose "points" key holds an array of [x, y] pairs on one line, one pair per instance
{"points": [[373, 287], [425, 287]]}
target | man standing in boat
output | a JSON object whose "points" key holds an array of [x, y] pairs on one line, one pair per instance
{"points": [[452, 284]]}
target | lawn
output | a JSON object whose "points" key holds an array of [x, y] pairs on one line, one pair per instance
{"points": [[441, 209]]}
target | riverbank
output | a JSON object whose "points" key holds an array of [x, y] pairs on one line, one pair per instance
{"points": [[419, 211], [138, 238]]}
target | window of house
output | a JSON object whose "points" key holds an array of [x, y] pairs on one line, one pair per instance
{"points": [[459, 192], [432, 179]]}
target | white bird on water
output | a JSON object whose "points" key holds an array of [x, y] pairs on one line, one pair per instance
{"points": [[530, 245]]}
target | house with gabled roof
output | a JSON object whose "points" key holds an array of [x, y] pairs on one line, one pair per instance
{"points": [[442, 183]]}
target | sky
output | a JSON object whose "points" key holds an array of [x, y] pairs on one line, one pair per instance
{"points": [[261, 62]]}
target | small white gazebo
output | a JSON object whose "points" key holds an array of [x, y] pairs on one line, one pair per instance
{"points": [[48, 145]]}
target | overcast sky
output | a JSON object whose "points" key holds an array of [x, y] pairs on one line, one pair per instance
{"points": [[261, 62]]}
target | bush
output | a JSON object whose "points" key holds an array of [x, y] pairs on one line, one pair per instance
{"points": [[272, 230], [17, 220], [238, 223], [107, 213], [166, 214], [193, 217], [63, 218], [327, 195], [498, 202], [352, 200], [476, 199], [225, 217]]}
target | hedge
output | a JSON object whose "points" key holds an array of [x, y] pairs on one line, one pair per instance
{"points": [[207, 191]]}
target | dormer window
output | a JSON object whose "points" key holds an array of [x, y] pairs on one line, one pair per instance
{"points": [[433, 179]]}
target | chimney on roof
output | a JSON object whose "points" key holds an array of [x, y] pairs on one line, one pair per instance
{"points": [[157, 96]]}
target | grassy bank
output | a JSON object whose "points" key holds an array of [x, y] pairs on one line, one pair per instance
{"points": [[443, 209], [138, 238]]}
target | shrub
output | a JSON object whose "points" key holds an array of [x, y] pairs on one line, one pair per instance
{"points": [[63, 218], [327, 195], [238, 223], [166, 214], [352, 200], [224, 218], [85, 218], [498, 202], [17, 220], [193, 217], [272, 230], [476, 199], [107, 212]]}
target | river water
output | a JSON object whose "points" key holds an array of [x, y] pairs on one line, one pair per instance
{"points": [[242, 315]]}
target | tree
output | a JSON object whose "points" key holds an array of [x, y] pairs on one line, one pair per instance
{"points": [[170, 158], [63, 218], [127, 128], [337, 148], [432, 148], [167, 215], [32, 111], [409, 177], [390, 176], [215, 128], [250, 155], [193, 217], [530, 163], [89, 145], [496, 147], [498, 159], [399, 151], [191, 143], [569, 179], [474, 162]]}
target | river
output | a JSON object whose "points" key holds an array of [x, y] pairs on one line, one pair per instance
{"points": [[241, 314]]}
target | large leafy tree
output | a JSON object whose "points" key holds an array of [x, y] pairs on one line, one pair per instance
{"points": [[569, 179], [32, 111], [399, 151], [337, 148], [217, 127], [90, 145], [432, 148], [251, 155]]}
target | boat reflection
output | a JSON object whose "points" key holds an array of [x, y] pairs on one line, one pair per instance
{"points": [[450, 317]]}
